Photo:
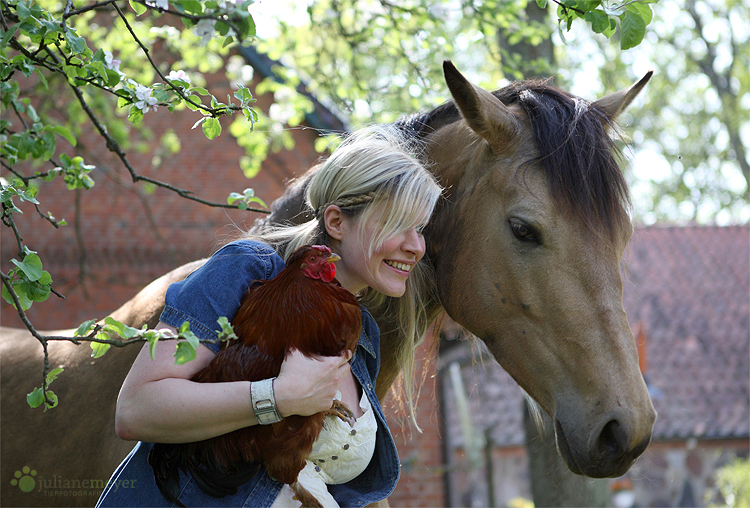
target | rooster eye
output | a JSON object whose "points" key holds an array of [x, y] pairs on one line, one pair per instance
{"points": [[523, 231], [313, 258]]}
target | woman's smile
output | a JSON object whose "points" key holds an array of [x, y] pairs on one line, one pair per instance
{"points": [[399, 266]]}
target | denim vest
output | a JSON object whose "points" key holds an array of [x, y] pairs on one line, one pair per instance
{"points": [[215, 290]]}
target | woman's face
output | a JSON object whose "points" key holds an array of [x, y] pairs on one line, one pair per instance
{"points": [[388, 268]]}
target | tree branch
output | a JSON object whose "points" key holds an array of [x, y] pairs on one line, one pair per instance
{"points": [[722, 84], [114, 147]]}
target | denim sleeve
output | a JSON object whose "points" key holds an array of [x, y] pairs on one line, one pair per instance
{"points": [[217, 287]]}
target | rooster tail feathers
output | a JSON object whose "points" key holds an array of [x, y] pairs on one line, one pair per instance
{"points": [[218, 482], [212, 478], [166, 460]]}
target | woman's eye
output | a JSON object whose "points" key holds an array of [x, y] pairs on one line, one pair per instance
{"points": [[420, 229], [523, 231]]}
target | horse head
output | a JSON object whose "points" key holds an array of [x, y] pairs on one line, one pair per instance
{"points": [[527, 247]]}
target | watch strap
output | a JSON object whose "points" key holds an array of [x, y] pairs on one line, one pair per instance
{"points": [[264, 402]]}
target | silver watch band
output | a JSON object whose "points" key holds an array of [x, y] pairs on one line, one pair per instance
{"points": [[264, 403]]}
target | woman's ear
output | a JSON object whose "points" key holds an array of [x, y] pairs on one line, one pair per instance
{"points": [[333, 218]]}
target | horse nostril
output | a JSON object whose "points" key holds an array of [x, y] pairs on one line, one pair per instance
{"points": [[613, 441]]}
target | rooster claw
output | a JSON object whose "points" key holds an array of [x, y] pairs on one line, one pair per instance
{"points": [[341, 411], [302, 495]]}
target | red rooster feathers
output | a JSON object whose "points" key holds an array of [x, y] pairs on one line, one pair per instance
{"points": [[302, 308]]}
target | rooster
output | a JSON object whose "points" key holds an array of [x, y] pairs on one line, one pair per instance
{"points": [[302, 308]]}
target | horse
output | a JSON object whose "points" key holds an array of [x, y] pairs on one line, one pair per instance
{"points": [[525, 248]]}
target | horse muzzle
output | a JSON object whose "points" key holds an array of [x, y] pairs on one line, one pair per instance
{"points": [[609, 450]]}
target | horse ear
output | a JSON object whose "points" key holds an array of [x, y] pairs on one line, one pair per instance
{"points": [[484, 112], [614, 104]]}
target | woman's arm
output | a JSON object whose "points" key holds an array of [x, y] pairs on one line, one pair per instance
{"points": [[159, 403]]}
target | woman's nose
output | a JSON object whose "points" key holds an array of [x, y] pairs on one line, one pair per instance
{"points": [[414, 243]]}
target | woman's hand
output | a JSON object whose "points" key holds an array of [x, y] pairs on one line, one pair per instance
{"points": [[307, 385]]}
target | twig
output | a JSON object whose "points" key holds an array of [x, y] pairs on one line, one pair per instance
{"points": [[567, 7], [76, 12], [8, 221]]}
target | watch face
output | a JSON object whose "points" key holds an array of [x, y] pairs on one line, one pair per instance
{"points": [[264, 405]]}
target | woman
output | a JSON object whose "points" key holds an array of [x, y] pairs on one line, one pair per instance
{"points": [[370, 200]]}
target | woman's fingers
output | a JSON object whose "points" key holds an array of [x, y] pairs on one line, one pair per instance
{"points": [[307, 385]]}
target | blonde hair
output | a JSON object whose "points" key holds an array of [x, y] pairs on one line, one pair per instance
{"points": [[375, 175]]}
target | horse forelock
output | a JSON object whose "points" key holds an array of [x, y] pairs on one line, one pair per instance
{"points": [[579, 157]]}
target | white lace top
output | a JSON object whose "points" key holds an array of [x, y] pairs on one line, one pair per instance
{"points": [[339, 455]]}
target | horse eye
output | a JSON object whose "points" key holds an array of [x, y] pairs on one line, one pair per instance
{"points": [[522, 231]]}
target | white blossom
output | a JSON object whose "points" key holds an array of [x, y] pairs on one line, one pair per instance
{"points": [[111, 62], [181, 75], [145, 101], [159, 4], [205, 30]]}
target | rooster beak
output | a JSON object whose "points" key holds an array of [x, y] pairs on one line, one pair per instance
{"points": [[333, 258]]}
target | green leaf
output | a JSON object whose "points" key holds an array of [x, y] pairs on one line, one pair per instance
{"points": [[643, 10], [250, 30], [113, 78], [34, 291], [192, 339], [35, 398], [227, 331], [22, 9], [98, 348], [31, 266], [135, 116], [121, 329], [52, 375], [184, 328], [153, 339], [187, 349], [23, 299], [632, 29], [542, 4], [186, 352], [45, 279], [85, 327], [599, 21], [211, 127], [6, 37], [138, 8], [65, 132], [51, 400], [42, 78], [77, 44]]}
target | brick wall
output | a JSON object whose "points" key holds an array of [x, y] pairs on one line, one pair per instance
{"points": [[421, 454]]}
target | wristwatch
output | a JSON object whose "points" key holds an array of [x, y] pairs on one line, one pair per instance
{"points": [[264, 403]]}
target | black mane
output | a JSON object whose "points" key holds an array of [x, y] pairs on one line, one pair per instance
{"points": [[578, 155]]}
